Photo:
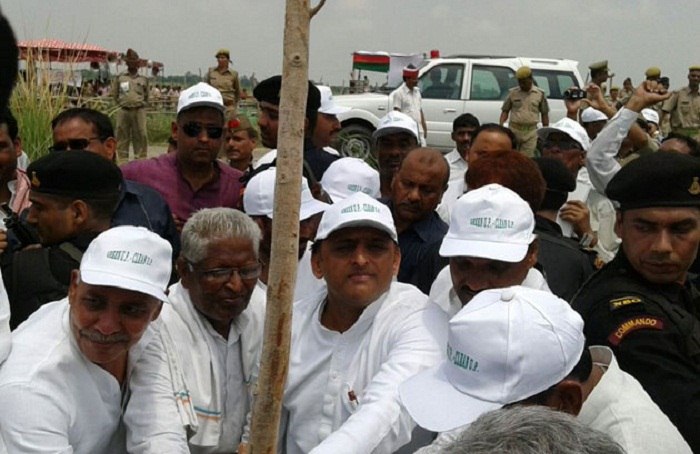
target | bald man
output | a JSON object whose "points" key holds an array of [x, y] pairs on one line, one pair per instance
{"points": [[416, 191]]}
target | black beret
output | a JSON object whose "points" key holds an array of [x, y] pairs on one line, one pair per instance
{"points": [[269, 91], [661, 179], [76, 174]]}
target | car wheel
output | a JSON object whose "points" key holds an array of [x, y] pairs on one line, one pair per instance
{"points": [[356, 141]]}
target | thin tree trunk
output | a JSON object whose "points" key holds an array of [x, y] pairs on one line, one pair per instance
{"points": [[285, 229]]}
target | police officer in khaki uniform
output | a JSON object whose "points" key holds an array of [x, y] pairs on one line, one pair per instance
{"points": [[599, 74], [652, 73], [684, 107], [642, 303], [130, 92], [525, 104], [226, 81]]}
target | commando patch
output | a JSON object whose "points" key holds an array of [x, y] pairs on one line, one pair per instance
{"points": [[625, 301], [634, 324]]}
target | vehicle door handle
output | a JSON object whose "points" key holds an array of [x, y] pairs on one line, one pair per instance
{"points": [[449, 110], [381, 108]]}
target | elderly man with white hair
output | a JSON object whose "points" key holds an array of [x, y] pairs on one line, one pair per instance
{"points": [[212, 330]]}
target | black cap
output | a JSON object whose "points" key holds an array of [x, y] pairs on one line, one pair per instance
{"points": [[661, 179], [269, 91], [76, 174], [560, 181]]}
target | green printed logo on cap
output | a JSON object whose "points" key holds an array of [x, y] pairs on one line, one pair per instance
{"points": [[360, 208], [462, 360], [492, 223], [129, 256]]}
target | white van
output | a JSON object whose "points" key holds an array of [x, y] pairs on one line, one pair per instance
{"points": [[455, 85]]}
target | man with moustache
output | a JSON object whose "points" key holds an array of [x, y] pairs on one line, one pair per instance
{"points": [[66, 381]]}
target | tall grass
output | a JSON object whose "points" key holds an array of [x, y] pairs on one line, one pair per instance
{"points": [[34, 106]]}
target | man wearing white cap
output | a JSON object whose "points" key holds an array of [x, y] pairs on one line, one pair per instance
{"points": [[192, 178], [212, 330], [356, 341], [407, 99], [490, 244], [258, 203], [523, 346], [348, 176], [66, 381], [395, 136], [593, 121], [327, 123], [588, 215]]}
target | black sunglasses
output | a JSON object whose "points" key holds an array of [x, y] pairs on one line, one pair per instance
{"points": [[72, 144], [193, 129]]}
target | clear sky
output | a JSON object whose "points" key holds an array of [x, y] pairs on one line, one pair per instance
{"points": [[184, 35]]}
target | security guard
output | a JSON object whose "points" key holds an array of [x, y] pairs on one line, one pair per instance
{"points": [[642, 304], [130, 92], [74, 195], [684, 107], [525, 104], [226, 81]]}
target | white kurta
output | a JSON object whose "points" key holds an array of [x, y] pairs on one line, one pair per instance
{"points": [[52, 398], [455, 185], [342, 390], [217, 375], [619, 407]]}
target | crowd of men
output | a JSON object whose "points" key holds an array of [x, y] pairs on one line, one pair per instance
{"points": [[533, 287]]}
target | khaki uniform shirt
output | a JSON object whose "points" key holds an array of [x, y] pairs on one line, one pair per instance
{"points": [[684, 108], [227, 83], [525, 107], [130, 91]]}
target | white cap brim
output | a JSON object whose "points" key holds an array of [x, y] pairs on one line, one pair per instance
{"points": [[101, 277], [334, 110], [393, 130], [217, 106], [306, 210], [359, 223], [505, 252], [436, 405]]}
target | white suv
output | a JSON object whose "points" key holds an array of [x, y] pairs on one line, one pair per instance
{"points": [[452, 86]]}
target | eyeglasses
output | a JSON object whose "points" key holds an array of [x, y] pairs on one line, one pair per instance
{"points": [[564, 144], [72, 144], [193, 129], [220, 276]]}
